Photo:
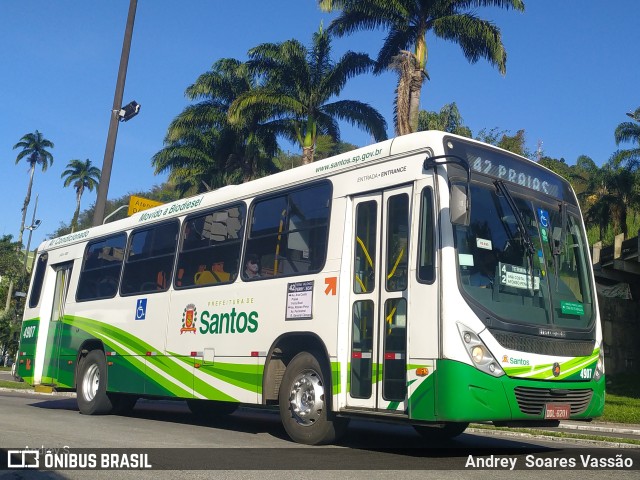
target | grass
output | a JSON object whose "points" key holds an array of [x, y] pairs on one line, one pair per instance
{"points": [[622, 404], [18, 385]]}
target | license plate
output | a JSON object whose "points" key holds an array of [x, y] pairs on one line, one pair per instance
{"points": [[557, 411]]}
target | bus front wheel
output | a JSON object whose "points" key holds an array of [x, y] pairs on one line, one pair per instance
{"points": [[92, 385], [303, 403]]}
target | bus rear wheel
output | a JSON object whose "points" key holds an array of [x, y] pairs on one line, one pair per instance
{"points": [[447, 432], [303, 403], [92, 385]]}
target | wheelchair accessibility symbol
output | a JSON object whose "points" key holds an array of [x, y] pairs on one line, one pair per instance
{"points": [[141, 309]]}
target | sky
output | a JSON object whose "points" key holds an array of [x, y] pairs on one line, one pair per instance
{"points": [[573, 72]]}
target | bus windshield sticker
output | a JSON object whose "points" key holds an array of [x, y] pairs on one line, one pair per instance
{"points": [[543, 218], [517, 277], [572, 308], [300, 300], [465, 260], [483, 243]]}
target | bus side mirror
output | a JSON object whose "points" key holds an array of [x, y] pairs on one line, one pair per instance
{"points": [[460, 205]]}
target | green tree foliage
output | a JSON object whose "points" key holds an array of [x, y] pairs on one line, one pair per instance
{"points": [[34, 150], [405, 48], [83, 176], [629, 132], [299, 87], [203, 150], [11, 269], [10, 259], [501, 138], [9, 333], [448, 119]]}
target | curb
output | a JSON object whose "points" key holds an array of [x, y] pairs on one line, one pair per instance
{"points": [[31, 391], [603, 427], [549, 438]]}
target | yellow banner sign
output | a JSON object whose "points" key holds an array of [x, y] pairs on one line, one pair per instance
{"points": [[138, 204]]}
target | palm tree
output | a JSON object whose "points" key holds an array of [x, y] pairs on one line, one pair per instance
{"points": [[34, 147], [610, 191], [82, 175], [629, 132], [299, 84], [202, 149], [405, 47]]}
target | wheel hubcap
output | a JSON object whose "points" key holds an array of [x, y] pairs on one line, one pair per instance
{"points": [[307, 398], [91, 382]]}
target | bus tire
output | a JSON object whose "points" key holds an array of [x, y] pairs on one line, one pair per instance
{"points": [[210, 410], [447, 432], [303, 403], [92, 385]]}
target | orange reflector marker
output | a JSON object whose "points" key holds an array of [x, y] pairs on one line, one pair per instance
{"points": [[197, 365], [422, 371], [21, 361], [70, 362], [109, 364]]}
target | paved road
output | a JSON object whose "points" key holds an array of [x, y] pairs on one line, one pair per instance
{"points": [[252, 438]]}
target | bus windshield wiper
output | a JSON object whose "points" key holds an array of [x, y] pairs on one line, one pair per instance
{"points": [[528, 244], [558, 244]]}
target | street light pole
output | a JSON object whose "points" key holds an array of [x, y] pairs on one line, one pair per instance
{"points": [[105, 177]]}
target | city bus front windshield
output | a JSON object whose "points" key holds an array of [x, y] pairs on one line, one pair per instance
{"points": [[523, 260]]}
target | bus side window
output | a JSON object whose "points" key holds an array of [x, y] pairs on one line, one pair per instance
{"points": [[289, 231], [38, 279], [426, 246], [101, 268], [150, 257], [210, 247]]}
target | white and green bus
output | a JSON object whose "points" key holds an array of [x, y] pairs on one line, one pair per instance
{"points": [[428, 279]]}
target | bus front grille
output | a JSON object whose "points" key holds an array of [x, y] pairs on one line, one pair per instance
{"points": [[544, 346], [532, 400]]}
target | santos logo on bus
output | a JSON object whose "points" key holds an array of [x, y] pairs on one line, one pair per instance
{"points": [[221, 323]]}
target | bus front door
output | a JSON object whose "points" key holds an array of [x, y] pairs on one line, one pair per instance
{"points": [[51, 367], [377, 377]]}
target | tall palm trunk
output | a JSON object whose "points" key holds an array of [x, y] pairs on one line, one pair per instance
{"points": [[418, 74], [307, 154], [410, 79], [74, 221], [309, 142], [27, 199]]}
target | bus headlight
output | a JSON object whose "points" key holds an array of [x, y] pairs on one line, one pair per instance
{"points": [[599, 366], [479, 353]]}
